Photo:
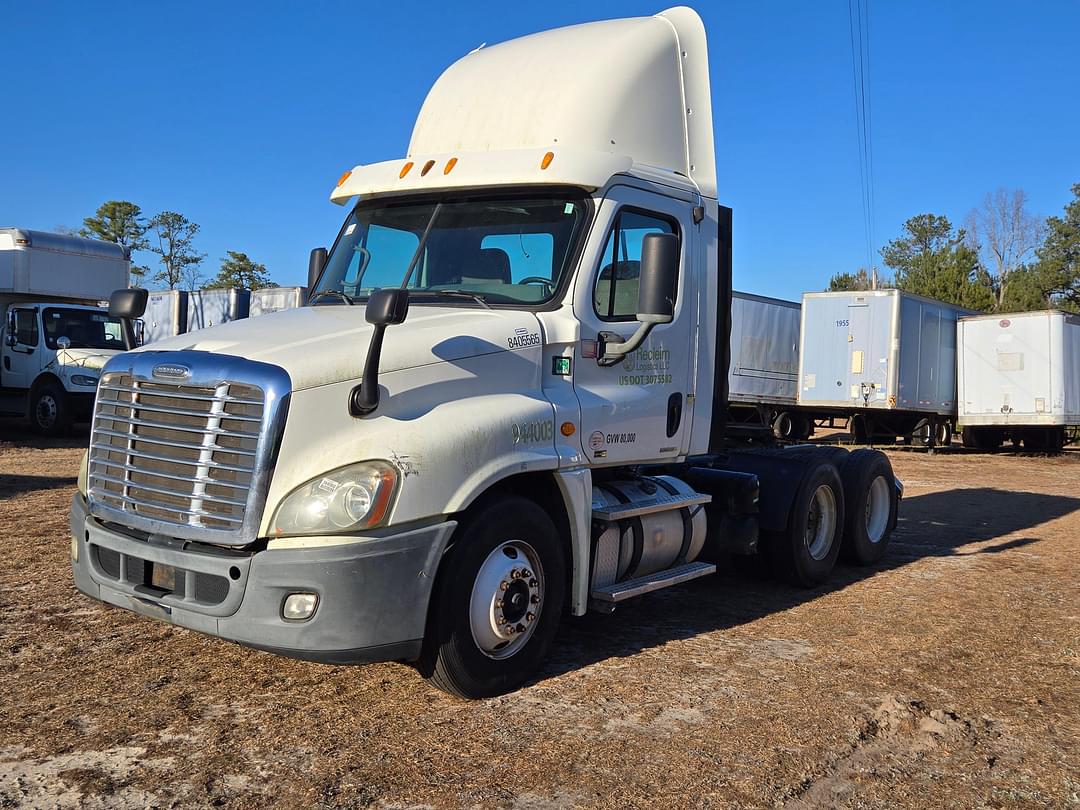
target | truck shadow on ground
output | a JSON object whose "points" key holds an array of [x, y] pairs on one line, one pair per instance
{"points": [[16, 432], [939, 524]]}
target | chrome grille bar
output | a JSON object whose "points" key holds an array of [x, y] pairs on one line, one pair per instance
{"points": [[187, 457]]}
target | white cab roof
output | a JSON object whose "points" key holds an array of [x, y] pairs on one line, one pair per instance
{"points": [[601, 97]]}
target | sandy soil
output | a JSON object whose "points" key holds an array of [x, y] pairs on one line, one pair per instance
{"points": [[947, 676]]}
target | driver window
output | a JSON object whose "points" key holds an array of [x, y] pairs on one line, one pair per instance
{"points": [[26, 329], [379, 258], [615, 295]]}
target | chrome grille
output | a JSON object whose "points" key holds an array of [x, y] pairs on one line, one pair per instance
{"points": [[183, 459]]}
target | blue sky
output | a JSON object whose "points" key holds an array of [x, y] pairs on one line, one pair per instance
{"points": [[242, 115]]}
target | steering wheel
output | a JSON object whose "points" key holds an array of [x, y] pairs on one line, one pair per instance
{"points": [[539, 280]]}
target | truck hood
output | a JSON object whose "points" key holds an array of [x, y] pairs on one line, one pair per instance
{"points": [[92, 359], [322, 345]]}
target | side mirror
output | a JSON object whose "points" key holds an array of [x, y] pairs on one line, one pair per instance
{"points": [[659, 278], [130, 303], [316, 263], [658, 282], [127, 305], [10, 338], [387, 307]]}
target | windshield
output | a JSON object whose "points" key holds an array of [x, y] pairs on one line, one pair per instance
{"points": [[509, 251], [85, 328]]}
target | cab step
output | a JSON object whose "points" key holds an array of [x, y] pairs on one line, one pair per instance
{"points": [[621, 591], [663, 503]]}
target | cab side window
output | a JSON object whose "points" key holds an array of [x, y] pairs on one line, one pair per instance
{"points": [[26, 329], [615, 296]]}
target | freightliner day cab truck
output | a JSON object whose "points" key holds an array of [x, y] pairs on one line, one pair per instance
{"points": [[54, 336], [503, 402]]}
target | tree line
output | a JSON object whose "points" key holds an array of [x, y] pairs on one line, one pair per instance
{"points": [[1004, 260], [171, 237]]}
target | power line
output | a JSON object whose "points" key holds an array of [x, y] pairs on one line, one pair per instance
{"points": [[859, 20]]}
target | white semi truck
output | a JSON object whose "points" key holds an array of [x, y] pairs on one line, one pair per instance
{"points": [[55, 336], [503, 402]]}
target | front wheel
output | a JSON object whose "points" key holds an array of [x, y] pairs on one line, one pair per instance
{"points": [[49, 412], [500, 598]]}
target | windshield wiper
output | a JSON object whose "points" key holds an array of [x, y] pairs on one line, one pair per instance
{"points": [[321, 293], [477, 297]]}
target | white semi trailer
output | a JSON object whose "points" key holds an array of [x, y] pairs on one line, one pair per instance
{"points": [[55, 336], [1019, 379], [504, 401]]}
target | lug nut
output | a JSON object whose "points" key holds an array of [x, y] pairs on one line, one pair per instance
{"points": [[509, 629], [535, 599], [534, 583], [526, 573], [521, 628], [530, 616], [504, 585], [515, 574]]}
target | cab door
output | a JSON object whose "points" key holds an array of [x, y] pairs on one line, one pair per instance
{"points": [[636, 410], [21, 349]]}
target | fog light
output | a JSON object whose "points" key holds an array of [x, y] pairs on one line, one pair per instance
{"points": [[299, 606]]}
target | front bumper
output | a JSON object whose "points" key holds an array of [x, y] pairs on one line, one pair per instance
{"points": [[373, 592]]}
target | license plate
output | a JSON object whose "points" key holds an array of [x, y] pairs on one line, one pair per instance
{"points": [[164, 577]]}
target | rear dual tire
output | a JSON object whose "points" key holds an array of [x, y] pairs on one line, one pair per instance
{"points": [[805, 553]]}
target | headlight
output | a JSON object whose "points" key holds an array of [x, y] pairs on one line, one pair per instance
{"points": [[348, 499], [83, 379]]}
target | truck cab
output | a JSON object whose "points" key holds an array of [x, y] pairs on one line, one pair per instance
{"points": [[55, 334], [503, 402]]}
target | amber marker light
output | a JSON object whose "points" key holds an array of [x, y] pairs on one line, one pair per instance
{"points": [[568, 429], [405, 170], [546, 160], [450, 164], [344, 177], [427, 168]]}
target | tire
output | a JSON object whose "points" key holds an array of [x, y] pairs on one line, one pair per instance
{"points": [[804, 427], [783, 426], [871, 506], [923, 433], [944, 434], [805, 553], [50, 414], [507, 558]]}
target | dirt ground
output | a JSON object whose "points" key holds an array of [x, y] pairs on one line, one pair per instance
{"points": [[948, 676]]}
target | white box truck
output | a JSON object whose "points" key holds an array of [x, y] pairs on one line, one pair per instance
{"points": [[274, 299], [763, 387], [1019, 379], [54, 337], [883, 359], [543, 436]]}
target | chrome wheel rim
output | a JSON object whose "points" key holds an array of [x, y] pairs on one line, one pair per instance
{"points": [[506, 600], [877, 509], [46, 411], [821, 523]]}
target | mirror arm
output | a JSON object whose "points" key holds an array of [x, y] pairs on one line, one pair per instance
{"points": [[365, 397], [613, 348], [127, 331]]}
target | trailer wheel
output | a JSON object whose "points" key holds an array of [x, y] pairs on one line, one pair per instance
{"points": [[804, 427], [806, 552], [49, 411], [500, 599], [783, 426], [944, 434], [870, 498], [860, 429]]}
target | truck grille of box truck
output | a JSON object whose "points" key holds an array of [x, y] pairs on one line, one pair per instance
{"points": [[175, 455]]}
